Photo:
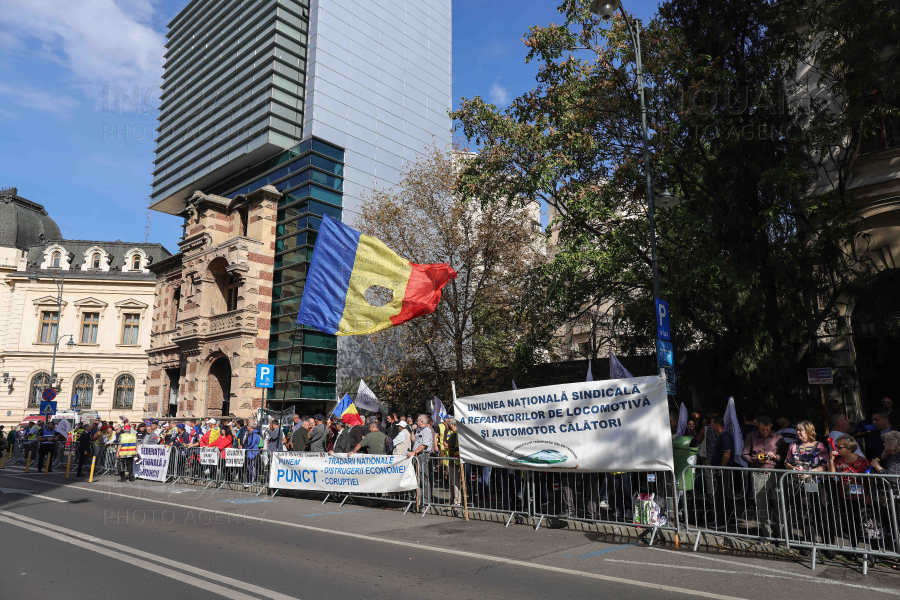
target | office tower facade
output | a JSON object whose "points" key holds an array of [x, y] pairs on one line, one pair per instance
{"points": [[294, 110]]}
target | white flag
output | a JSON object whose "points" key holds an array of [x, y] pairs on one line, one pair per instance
{"points": [[63, 427], [590, 376], [365, 399], [616, 369], [682, 421], [734, 428], [514, 384]]}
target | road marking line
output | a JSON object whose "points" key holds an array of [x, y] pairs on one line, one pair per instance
{"points": [[731, 562], [792, 576], [406, 544], [200, 583], [30, 493], [147, 556]]}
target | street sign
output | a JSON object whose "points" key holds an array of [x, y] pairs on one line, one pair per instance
{"points": [[665, 355], [662, 320], [48, 408], [48, 394], [820, 376], [265, 376], [75, 401]]}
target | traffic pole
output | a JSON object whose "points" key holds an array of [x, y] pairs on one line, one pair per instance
{"points": [[68, 465], [93, 462], [3, 462], [47, 468], [28, 461]]}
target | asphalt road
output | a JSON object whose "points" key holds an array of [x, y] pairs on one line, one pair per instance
{"points": [[181, 541]]}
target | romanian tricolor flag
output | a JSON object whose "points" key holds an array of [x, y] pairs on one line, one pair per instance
{"points": [[345, 264], [345, 407]]}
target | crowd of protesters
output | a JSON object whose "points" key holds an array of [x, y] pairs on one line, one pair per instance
{"points": [[848, 507]]}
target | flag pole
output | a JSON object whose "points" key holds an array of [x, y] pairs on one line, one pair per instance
{"points": [[462, 471]]}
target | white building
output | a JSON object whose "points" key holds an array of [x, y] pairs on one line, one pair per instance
{"points": [[107, 300]]}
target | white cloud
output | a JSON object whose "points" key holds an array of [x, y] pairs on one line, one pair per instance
{"points": [[99, 42], [48, 100], [499, 95]]}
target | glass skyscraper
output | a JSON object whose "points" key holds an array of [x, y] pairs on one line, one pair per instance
{"points": [[326, 100]]}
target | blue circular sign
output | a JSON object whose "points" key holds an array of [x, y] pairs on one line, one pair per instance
{"points": [[49, 394]]}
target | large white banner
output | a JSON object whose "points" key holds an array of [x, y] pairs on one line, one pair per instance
{"points": [[154, 464], [612, 425], [360, 473]]}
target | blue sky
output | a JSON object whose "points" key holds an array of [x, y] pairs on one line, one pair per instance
{"points": [[69, 141]]}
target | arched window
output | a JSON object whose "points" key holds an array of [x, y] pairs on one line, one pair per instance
{"points": [[39, 383], [136, 262], [84, 389], [95, 261], [54, 261], [123, 395]]}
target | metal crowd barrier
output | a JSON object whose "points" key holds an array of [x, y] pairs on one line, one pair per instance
{"points": [[245, 469], [644, 500], [816, 511], [838, 512]]}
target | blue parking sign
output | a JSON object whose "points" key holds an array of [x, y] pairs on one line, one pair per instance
{"points": [[265, 376], [663, 331]]}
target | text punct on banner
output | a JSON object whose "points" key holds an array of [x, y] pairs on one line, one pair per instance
{"points": [[154, 463], [234, 457], [209, 456], [611, 425], [360, 473]]}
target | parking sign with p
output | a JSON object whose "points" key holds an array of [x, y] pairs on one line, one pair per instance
{"points": [[265, 376]]}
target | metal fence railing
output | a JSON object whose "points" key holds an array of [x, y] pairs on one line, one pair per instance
{"points": [[814, 511]]}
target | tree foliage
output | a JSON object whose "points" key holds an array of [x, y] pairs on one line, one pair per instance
{"points": [[491, 247], [753, 109]]}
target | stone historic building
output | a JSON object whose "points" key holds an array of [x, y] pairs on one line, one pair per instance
{"points": [[212, 312]]}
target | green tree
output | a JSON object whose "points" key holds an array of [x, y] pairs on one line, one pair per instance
{"points": [[759, 256]]}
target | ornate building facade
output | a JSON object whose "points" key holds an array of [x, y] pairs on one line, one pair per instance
{"points": [[212, 312]]}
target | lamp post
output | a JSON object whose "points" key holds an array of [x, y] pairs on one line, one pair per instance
{"points": [[605, 9], [60, 283]]}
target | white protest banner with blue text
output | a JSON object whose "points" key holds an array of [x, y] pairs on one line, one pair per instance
{"points": [[360, 473], [154, 463], [611, 425]]}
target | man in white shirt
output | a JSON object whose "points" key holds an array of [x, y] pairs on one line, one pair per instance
{"points": [[840, 425]]}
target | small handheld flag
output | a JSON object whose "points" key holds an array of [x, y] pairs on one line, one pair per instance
{"points": [[438, 412], [345, 264], [682, 421], [345, 406], [616, 369], [366, 398], [590, 376]]}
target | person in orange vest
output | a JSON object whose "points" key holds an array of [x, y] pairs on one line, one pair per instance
{"points": [[127, 452]]}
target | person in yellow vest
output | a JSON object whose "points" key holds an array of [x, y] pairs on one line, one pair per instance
{"points": [[127, 452]]}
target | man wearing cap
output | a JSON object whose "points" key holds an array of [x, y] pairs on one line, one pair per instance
{"points": [[318, 436], [127, 452], [402, 441], [49, 438], [341, 438]]}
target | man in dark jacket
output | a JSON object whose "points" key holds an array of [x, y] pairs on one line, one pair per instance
{"points": [[342, 438], [83, 449], [300, 439], [318, 435]]}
